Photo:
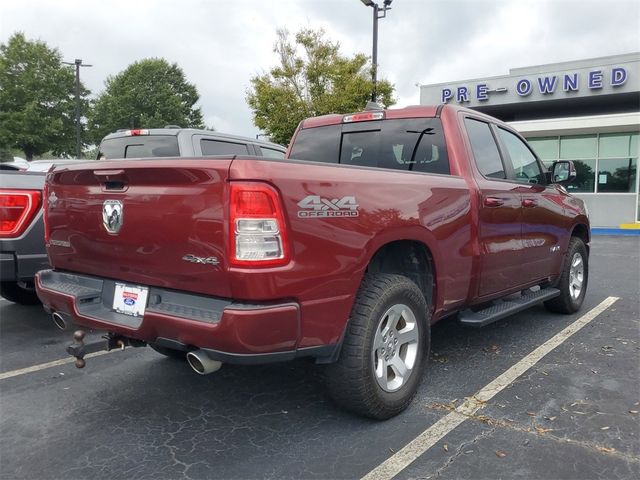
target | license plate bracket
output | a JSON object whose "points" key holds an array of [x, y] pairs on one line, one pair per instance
{"points": [[130, 299]]}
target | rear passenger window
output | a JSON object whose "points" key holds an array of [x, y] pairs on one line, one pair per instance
{"points": [[218, 147], [270, 152], [485, 150]]}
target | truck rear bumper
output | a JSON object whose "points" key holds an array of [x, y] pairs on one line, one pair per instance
{"points": [[17, 267], [229, 331]]}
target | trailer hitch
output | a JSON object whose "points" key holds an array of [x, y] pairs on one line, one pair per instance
{"points": [[79, 349]]}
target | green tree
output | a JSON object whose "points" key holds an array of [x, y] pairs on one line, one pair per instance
{"points": [[150, 93], [36, 98], [312, 79]]}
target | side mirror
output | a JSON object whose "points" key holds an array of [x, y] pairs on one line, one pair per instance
{"points": [[563, 172]]}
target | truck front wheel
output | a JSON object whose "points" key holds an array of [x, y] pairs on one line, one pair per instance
{"points": [[573, 279], [384, 349]]}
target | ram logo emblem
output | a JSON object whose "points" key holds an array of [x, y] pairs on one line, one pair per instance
{"points": [[112, 215]]}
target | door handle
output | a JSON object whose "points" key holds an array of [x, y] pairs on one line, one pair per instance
{"points": [[111, 179], [529, 202], [493, 202]]}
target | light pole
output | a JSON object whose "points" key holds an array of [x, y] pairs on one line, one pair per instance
{"points": [[378, 13], [78, 63]]}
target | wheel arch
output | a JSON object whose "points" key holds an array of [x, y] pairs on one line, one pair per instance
{"points": [[383, 256], [582, 231], [411, 258]]}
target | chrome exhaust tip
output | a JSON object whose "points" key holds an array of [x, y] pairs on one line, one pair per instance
{"points": [[201, 363], [61, 321]]}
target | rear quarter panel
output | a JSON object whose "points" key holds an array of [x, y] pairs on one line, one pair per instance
{"points": [[330, 255]]}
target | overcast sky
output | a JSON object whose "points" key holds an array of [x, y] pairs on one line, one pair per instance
{"points": [[221, 44]]}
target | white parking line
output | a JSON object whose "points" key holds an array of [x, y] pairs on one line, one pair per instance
{"points": [[43, 366], [427, 439]]}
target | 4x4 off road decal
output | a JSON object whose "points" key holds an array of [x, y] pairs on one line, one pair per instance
{"points": [[314, 206]]}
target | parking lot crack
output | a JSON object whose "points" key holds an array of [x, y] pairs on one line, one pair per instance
{"points": [[539, 432], [463, 449]]}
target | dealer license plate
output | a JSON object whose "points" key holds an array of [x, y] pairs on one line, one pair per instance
{"points": [[129, 299]]}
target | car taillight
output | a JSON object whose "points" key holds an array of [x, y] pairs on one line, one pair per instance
{"points": [[257, 229], [17, 208]]}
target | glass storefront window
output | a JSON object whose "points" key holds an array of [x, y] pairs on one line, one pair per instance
{"points": [[585, 176], [545, 147], [617, 175], [578, 146], [605, 162], [614, 145]]}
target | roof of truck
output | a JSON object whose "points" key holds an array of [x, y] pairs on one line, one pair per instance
{"points": [[414, 111]]}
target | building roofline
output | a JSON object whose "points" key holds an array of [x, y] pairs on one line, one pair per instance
{"points": [[585, 62], [548, 67]]}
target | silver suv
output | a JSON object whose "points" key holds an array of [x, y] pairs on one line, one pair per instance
{"points": [[182, 142]]}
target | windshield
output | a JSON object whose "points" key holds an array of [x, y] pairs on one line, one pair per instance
{"points": [[142, 146]]}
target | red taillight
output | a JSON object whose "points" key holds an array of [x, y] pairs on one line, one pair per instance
{"points": [[253, 203], [257, 232], [17, 208]]}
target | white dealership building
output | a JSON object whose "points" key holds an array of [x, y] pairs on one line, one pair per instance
{"points": [[587, 111]]}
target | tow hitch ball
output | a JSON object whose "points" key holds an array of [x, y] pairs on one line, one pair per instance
{"points": [[79, 349]]}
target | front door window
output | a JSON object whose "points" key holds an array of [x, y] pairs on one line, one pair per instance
{"points": [[525, 165]]}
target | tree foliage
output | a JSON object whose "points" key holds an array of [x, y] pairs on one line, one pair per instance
{"points": [[37, 98], [312, 79], [150, 93]]}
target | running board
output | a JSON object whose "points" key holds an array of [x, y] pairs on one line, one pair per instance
{"points": [[504, 308]]}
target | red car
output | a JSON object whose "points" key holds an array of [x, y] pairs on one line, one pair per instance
{"points": [[375, 226]]}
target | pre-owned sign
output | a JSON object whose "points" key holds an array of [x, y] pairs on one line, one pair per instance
{"points": [[540, 83]]}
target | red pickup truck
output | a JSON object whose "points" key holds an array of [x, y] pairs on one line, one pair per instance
{"points": [[375, 226]]}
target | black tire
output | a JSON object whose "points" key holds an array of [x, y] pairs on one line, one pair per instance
{"points": [[567, 302], [23, 293], [169, 352], [351, 381]]}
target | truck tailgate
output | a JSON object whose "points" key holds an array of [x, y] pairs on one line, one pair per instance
{"points": [[166, 219]]}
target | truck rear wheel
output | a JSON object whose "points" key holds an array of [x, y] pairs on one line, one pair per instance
{"points": [[384, 349], [573, 279]]}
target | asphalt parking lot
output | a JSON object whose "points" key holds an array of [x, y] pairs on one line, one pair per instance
{"points": [[135, 414]]}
